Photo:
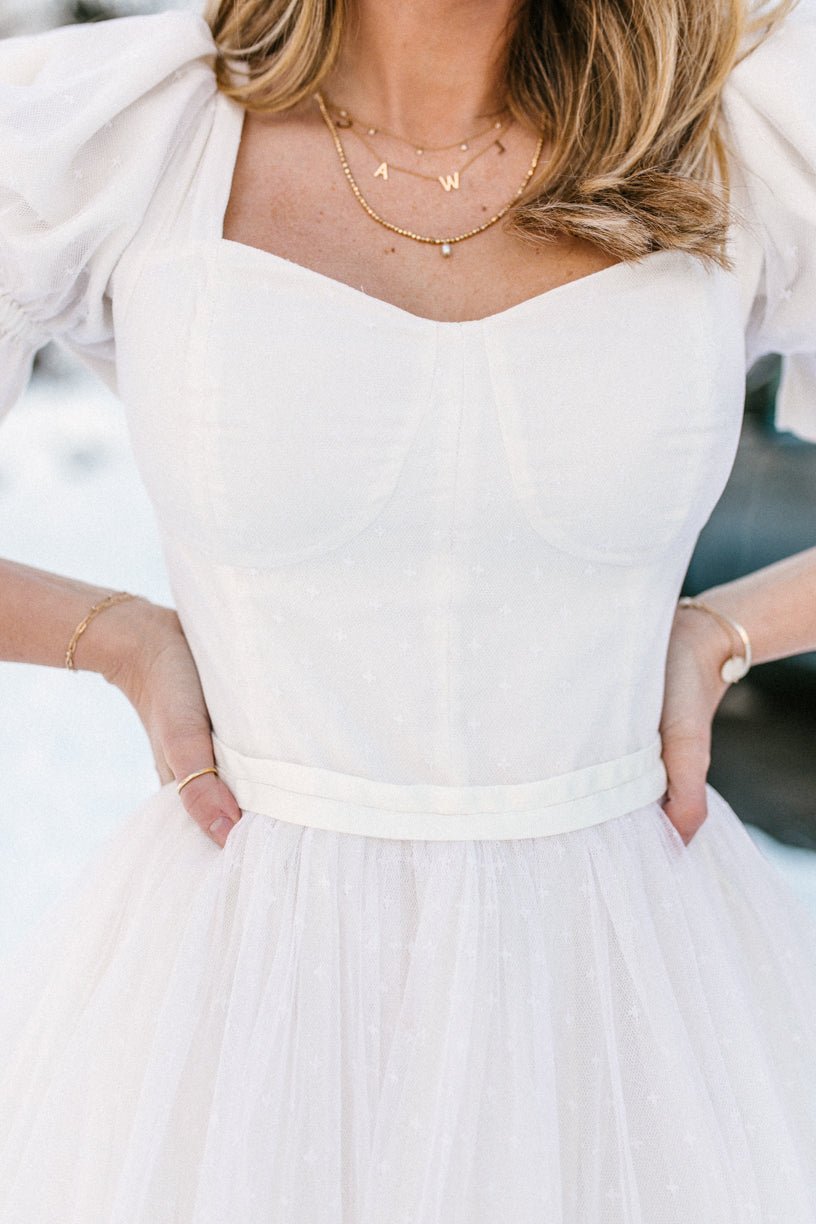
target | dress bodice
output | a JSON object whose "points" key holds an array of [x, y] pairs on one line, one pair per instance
{"points": [[416, 550], [423, 550]]}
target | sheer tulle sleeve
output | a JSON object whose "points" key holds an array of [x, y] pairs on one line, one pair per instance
{"points": [[769, 104], [89, 118]]}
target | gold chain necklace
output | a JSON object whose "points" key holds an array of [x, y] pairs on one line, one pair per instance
{"points": [[447, 181], [347, 120], [445, 244]]}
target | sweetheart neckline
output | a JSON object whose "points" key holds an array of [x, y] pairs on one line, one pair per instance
{"points": [[626, 267], [233, 113]]}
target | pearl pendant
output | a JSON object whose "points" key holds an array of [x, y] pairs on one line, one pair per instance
{"points": [[446, 249]]}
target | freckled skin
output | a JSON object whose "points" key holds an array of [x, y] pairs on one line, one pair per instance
{"points": [[290, 196]]}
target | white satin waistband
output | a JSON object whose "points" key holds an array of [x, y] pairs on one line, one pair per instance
{"points": [[349, 803]]}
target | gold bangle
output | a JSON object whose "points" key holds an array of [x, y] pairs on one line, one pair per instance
{"points": [[210, 769], [116, 597], [735, 666]]}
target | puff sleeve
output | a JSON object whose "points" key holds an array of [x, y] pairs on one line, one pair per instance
{"points": [[89, 118], [769, 104]]}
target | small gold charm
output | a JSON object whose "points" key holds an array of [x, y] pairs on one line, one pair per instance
{"points": [[450, 180], [382, 171]]}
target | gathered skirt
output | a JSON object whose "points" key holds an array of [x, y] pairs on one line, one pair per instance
{"points": [[602, 1026]]}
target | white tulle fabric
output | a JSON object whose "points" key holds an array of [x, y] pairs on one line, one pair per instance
{"points": [[412, 558], [319, 1027]]}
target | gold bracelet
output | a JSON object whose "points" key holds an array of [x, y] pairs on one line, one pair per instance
{"points": [[116, 597], [735, 666]]}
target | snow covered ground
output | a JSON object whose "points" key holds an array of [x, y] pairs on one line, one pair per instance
{"points": [[73, 757]]}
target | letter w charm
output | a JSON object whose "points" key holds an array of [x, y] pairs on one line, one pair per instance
{"points": [[450, 180]]}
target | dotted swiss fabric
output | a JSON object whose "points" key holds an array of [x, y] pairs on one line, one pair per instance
{"points": [[410, 552]]}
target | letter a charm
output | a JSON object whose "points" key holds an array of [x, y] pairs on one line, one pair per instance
{"points": [[382, 171], [450, 180]]}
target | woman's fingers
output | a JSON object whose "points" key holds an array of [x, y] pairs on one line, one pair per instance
{"points": [[162, 683], [687, 756], [693, 691], [207, 799]]}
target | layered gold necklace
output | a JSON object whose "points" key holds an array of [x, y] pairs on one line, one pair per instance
{"points": [[449, 181], [447, 243]]}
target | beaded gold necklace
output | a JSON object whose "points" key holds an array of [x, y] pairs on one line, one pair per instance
{"points": [[446, 244]]}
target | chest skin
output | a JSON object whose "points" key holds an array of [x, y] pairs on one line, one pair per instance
{"points": [[290, 196]]}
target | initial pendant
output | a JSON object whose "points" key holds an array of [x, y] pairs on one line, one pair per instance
{"points": [[450, 180], [382, 171]]}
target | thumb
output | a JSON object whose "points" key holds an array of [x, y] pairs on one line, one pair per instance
{"points": [[207, 798], [687, 756]]}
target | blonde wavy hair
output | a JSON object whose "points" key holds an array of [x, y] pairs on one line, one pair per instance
{"points": [[628, 91]]}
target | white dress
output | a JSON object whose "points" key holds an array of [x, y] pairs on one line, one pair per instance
{"points": [[454, 965]]}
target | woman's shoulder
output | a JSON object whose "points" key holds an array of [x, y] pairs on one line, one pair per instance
{"points": [[788, 43], [769, 108], [130, 44], [769, 98], [58, 87], [78, 101], [90, 117], [59, 84]]}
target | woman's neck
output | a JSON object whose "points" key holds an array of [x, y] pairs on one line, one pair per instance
{"points": [[426, 69]]}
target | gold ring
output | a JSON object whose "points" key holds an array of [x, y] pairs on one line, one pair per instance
{"points": [[197, 774]]}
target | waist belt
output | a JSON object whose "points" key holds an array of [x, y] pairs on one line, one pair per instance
{"points": [[349, 803]]}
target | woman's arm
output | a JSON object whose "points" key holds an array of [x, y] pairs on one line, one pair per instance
{"points": [[777, 607], [139, 647], [40, 610]]}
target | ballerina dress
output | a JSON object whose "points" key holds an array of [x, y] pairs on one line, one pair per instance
{"points": [[454, 964]]}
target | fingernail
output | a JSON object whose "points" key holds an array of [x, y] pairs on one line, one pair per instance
{"points": [[220, 827]]}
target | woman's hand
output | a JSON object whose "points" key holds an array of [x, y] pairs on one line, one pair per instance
{"points": [[694, 688], [160, 680]]}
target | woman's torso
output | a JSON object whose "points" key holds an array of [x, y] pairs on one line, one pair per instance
{"points": [[420, 550]]}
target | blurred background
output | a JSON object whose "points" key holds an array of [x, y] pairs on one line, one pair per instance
{"points": [[27, 16], [73, 758]]}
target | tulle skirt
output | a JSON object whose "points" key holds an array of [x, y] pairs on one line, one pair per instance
{"points": [[315, 1027]]}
